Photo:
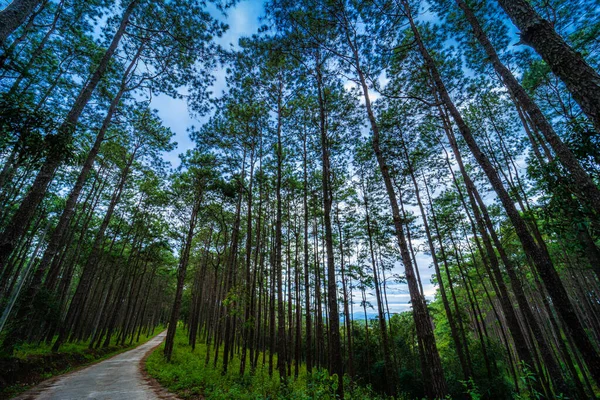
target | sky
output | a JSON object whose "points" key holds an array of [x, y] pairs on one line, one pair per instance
{"points": [[244, 20]]}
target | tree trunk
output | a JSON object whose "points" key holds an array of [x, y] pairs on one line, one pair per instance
{"points": [[281, 355], [230, 271], [183, 263], [453, 326], [249, 287], [584, 186], [14, 15], [389, 372], [347, 317], [433, 367], [539, 255], [569, 65], [309, 350], [335, 354], [56, 153]]}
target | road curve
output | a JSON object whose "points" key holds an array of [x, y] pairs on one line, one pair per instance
{"points": [[116, 378]]}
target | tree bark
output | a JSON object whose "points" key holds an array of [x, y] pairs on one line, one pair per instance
{"points": [[335, 355], [437, 388], [183, 263], [14, 16], [569, 65], [22, 218], [584, 186], [537, 254]]}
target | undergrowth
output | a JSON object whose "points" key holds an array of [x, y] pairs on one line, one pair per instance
{"points": [[189, 377], [33, 363]]}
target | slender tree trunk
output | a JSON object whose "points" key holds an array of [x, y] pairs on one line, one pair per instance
{"points": [[367, 340], [389, 374], [307, 310], [334, 319], [584, 186], [437, 387], [271, 305], [230, 271], [56, 153], [281, 355], [538, 254], [347, 318], [258, 262], [181, 272], [249, 287], [319, 343], [489, 255], [453, 326], [14, 15], [569, 65], [298, 305]]}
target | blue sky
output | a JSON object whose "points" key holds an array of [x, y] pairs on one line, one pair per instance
{"points": [[244, 20]]}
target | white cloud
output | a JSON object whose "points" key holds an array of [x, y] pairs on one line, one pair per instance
{"points": [[243, 20], [174, 114]]}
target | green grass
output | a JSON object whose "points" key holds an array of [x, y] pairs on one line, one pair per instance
{"points": [[28, 350], [36, 363], [187, 376]]}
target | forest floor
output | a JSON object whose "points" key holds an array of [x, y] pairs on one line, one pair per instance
{"points": [[114, 373], [190, 378]]}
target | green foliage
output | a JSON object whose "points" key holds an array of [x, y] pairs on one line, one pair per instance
{"points": [[471, 389], [28, 350], [189, 377], [32, 363], [529, 381]]}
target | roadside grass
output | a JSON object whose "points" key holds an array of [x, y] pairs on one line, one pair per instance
{"points": [[28, 350], [31, 363], [189, 377]]}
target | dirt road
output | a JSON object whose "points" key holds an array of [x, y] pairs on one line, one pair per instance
{"points": [[117, 378]]}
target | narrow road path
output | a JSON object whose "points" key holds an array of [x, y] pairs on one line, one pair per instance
{"points": [[117, 378]]}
